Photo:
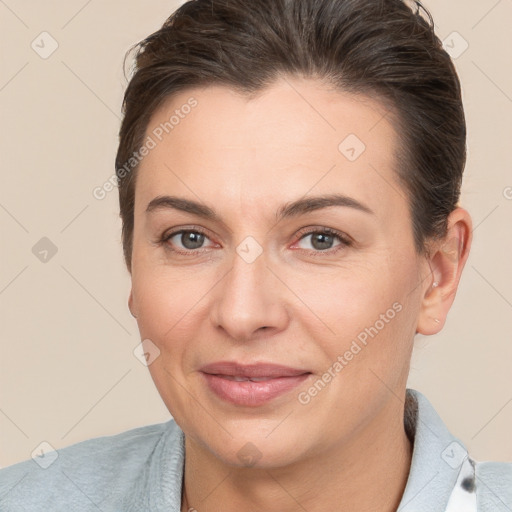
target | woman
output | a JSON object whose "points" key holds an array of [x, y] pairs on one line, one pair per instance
{"points": [[289, 176]]}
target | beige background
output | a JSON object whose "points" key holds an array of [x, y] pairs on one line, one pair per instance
{"points": [[68, 372]]}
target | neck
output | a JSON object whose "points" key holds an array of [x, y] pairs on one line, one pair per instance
{"points": [[369, 473]]}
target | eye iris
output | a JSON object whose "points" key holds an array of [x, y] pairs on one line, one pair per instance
{"points": [[324, 239], [192, 239]]}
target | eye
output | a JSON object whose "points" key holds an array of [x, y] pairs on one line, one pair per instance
{"points": [[191, 241], [322, 240]]}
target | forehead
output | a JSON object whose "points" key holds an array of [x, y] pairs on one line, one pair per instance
{"points": [[294, 137]]}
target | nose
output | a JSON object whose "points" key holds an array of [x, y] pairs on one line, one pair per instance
{"points": [[250, 301]]}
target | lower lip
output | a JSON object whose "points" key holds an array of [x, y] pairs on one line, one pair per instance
{"points": [[252, 394]]}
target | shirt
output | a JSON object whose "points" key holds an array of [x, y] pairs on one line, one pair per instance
{"points": [[142, 469]]}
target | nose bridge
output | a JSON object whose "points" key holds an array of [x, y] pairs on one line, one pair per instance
{"points": [[249, 295]]}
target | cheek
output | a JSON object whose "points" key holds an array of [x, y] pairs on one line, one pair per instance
{"points": [[363, 307], [169, 314], [346, 299], [167, 307]]}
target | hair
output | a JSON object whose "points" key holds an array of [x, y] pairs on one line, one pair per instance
{"points": [[380, 48]]}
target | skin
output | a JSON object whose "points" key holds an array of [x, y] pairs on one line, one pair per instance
{"points": [[295, 304]]}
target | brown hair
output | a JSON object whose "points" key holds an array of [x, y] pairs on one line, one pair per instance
{"points": [[381, 48]]}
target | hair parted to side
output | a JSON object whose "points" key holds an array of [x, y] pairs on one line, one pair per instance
{"points": [[380, 48]]}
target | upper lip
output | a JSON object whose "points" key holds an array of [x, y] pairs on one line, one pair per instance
{"points": [[256, 370]]}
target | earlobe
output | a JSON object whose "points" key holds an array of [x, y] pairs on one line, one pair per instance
{"points": [[446, 261], [430, 320], [130, 304]]}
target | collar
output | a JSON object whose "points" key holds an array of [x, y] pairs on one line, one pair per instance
{"points": [[442, 476]]}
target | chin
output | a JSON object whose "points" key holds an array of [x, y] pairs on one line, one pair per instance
{"points": [[253, 449]]}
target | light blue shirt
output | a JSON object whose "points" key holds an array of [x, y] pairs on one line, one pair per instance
{"points": [[141, 470]]}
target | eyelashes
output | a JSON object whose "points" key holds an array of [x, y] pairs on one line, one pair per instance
{"points": [[200, 236], [344, 240], [187, 252]]}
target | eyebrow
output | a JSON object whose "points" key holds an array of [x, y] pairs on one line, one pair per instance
{"points": [[292, 209]]}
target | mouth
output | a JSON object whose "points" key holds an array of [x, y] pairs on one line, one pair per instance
{"points": [[237, 378], [251, 385]]}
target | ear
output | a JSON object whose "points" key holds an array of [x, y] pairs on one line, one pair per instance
{"points": [[446, 260], [130, 304]]}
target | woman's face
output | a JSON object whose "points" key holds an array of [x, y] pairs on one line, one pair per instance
{"points": [[256, 280]]}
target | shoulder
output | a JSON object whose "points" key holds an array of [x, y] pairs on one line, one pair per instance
{"points": [[87, 473], [494, 486]]}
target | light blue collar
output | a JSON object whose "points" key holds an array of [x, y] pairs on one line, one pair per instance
{"points": [[442, 476]]}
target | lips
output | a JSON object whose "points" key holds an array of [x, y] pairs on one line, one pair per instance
{"points": [[254, 372], [251, 385]]}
